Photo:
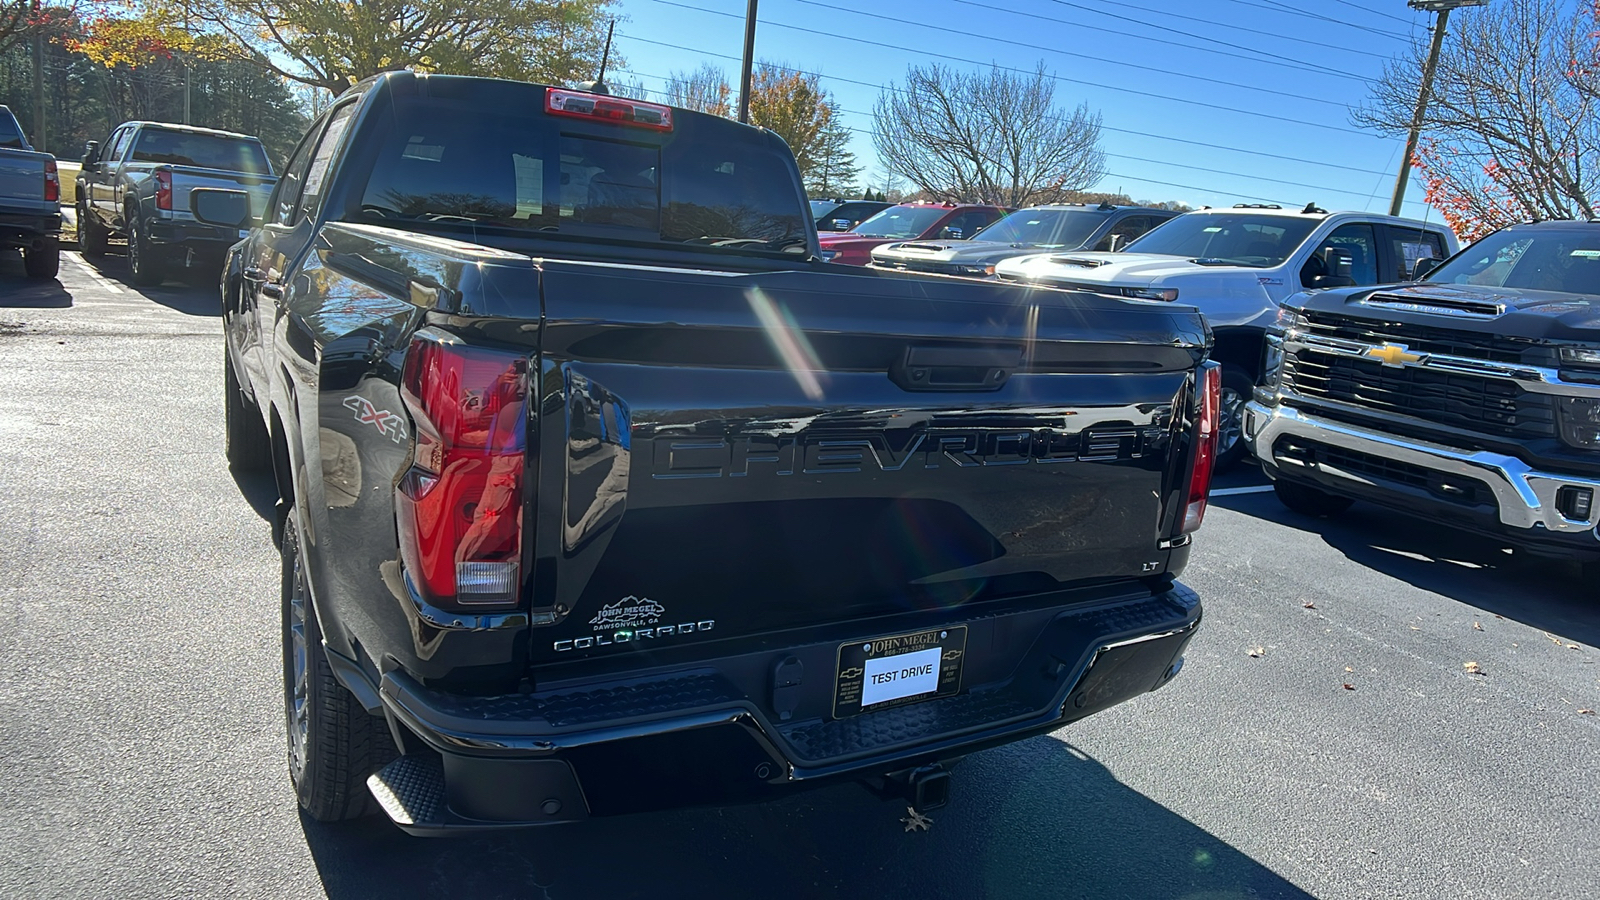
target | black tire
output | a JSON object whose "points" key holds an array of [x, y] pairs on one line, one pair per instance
{"points": [[91, 234], [143, 264], [1308, 500], [43, 260], [333, 743], [245, 441], [1237, 388]]}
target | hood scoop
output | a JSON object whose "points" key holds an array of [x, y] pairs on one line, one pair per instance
{"points": [[931, 248], [1439, 304], [1079, 261]]}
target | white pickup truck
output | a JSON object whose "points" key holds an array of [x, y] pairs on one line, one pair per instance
{"points": [[1237, 265]]}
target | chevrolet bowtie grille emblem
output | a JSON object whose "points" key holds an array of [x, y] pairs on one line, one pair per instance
{"points": [[1394, 355]]}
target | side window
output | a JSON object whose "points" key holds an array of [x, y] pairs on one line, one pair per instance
{"points": [[286, 196], [968, 223], [118, 142], [1355, 244], [316, 177], [1125, 231], [1408, 245]]}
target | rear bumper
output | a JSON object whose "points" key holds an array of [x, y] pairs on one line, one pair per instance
{"points": [[708, 735], [199, 236], [25, 229], [1480, 490]]}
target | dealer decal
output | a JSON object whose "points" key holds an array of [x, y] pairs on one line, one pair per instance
{"points": [[630, 621]]}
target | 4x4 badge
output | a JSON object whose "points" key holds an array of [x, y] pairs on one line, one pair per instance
{"points": [[385, 421]]}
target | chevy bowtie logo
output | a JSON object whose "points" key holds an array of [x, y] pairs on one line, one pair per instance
{"points": [[1394, 355]]}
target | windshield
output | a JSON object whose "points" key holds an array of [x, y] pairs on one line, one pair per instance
{"points": [[901, 221], [1228, 239], [1045, 227], [10, 131], [820, 208], [496, 161], [204, 151], [1533, 259]]}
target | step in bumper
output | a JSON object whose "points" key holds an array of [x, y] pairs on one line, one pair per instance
{"points": [[707, 735]]}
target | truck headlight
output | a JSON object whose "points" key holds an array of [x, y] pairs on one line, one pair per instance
{"points": [[1580, 422], [1580, 356], [1168, 294]]}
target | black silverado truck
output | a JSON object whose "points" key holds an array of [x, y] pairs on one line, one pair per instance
{"points": [[1470, 398], [601, 492]]}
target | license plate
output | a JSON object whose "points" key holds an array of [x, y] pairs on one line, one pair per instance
{"points": [[892, 671]]}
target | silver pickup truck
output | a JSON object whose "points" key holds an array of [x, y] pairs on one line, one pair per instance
{"points": [[30, 201], [137, 186]]}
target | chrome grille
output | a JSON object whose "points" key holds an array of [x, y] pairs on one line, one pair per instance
{"points": [[1427, 339]]}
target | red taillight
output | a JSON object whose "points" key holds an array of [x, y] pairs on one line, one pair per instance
{"points": [[163, 189], [1205, 452], [459, 508], [611, 109], [52, 182]]}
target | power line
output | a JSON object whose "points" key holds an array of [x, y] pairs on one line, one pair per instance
{"points": [[1097, 59], [1128, 131], [1274, 6], [1377, 12], [1315, 187], [1294, 63], [1060, 78], [1240, 28]]}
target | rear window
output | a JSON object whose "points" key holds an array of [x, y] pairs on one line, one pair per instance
{"points": [[456, 167], [10, 132], [204, 151]]}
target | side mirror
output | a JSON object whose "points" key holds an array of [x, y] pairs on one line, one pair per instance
{"points": [[1333, 281], [1424, 266], [954, 234], [91, 153], [222, 207], [842, 224]]}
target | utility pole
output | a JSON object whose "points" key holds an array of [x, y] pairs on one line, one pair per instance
{"points": [[41, 138], [749, 61], [1442, 9]]}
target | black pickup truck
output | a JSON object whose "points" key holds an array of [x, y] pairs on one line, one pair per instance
{"points": [[599, 491], [1470, 398]]}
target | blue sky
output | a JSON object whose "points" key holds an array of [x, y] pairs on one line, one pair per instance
{"points": [[1292, 70]]}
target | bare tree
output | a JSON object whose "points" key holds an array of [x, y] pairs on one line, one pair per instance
{"points": [[994, 137], [703, 90], [1512, 130]]}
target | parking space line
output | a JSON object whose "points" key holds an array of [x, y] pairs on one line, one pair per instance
{"points": [[1252, 489], [99, 279]]}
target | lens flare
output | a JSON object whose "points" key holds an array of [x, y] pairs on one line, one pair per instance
{"points": [[790, 342]]}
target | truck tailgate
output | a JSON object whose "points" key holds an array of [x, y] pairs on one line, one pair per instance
{"points": [[187, 178], [771, 451], [22, 179]]}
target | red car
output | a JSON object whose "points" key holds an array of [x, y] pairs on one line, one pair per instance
{"points": [[906, 222]]}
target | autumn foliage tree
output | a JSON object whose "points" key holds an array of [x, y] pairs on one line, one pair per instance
{"points": [[1512, 130], [332, 44]]}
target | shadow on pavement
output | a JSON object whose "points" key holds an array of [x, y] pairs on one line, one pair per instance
{"points": [[1035, 819], [1470, 568], [193, 293], [19, 291]]}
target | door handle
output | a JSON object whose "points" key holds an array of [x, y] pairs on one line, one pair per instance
{"points": [[272, 290], [254, 274]]}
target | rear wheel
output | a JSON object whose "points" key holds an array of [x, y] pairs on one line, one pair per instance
{"points": [[143, 264], [245, 441], [42, 260], [1237, 389], [1308, 500], [333, 743], [91, 234]]}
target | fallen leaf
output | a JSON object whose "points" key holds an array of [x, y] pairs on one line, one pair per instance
{"points": [[1255, 652], [1349, 687], [916, 821], [1309, 605], [1585, 712], [1572, 646], [1553, 639], [1472, 668], [1415, 628], [1477, 626], [1498, 616], [1348, 669]]}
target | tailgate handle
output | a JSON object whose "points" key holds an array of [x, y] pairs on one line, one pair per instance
{"points": [[956, 368]]}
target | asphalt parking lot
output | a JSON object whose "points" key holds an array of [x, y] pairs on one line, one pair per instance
{"points": [[1326, 739]]}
